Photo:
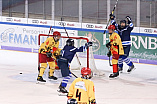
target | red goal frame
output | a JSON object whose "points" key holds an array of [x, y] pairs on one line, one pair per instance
{"points": [[84, 38]]}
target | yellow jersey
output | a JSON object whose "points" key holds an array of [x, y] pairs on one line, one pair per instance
{"points": [[116, 44], [49, 45], [82, 90]]}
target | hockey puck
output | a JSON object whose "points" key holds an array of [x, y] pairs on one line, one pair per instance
{"points": [[20, 73]]}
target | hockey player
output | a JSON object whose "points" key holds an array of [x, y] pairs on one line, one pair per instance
{"points": [[63, 62], [82, 89], [46, 52], [116, 49], [124, 30]]}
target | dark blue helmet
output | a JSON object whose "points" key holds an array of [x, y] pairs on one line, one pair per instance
{"points": [[123, 21], [70, 42]]}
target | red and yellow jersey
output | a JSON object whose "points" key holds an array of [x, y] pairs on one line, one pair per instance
{"points": [[82, 90], [116, 44], [49, 45]]}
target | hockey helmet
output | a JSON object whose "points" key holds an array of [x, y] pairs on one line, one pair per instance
{"points": [[71, 101], [121, 23], [85, 71], [56, 33], [70, 42], [112, 27]]}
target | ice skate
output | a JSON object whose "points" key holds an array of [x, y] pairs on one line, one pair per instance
{"points": [[52, 78], [131, 68], [62, 89], [114, 75], [40, 79]]}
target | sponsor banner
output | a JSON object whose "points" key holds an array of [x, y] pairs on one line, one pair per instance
{"points": [[13, 19], [143, 47], [41, 22], [93, 26], [68, 24], [25, 37], [148, 30]]}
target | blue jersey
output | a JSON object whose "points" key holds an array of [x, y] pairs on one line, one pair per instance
{"points": [[124, 32], [69, 52]]}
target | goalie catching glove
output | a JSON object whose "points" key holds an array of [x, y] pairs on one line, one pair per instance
{"points": [[89, 44]]}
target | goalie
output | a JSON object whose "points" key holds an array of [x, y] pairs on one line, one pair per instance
{"points": [[82, 89], [65, 59], [47, 53]]}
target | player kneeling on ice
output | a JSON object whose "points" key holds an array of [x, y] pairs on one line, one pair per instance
{"points": [[82, 89], [116, 49], [65, 59]]}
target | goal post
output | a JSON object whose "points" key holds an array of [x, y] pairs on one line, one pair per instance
{"points": [[39, 43], [81, 59]]}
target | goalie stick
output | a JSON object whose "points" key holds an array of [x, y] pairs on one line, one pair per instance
{"points": [[107, 26]]}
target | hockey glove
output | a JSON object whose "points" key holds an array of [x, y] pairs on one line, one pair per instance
{"points": [[89, 44], [128, 19], [108, 45], [112, 16], [58, 57], [55, 54], [49, 54], [109, 54], [93, 101]]}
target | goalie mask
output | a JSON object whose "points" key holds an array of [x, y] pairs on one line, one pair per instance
{"points": [[70, 42], [86, 73]]}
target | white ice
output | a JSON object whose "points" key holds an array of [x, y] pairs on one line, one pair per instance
{"points": [[139, 87]]}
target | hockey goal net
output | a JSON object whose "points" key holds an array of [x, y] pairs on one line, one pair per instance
{"points": [[81, 59]]}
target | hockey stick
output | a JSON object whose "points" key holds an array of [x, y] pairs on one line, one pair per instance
{"points": [[49, 31], [112, 13], [109, 57], [68, 37], [108, 24]]}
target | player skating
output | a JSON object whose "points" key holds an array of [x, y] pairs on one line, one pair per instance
{"points": [[63, 62], [46, 51], [116, 49], [124, 30], [82, 89]]}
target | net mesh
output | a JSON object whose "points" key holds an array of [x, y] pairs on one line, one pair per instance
{"points": [[81, 59]]}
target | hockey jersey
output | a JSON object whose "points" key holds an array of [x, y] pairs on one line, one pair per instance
{"points": [[116, 44], [124, 32], [82, 90], [69, 52], [49, 45]]}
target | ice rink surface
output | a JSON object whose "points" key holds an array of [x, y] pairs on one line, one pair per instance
{"points": [[139, 87]]}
